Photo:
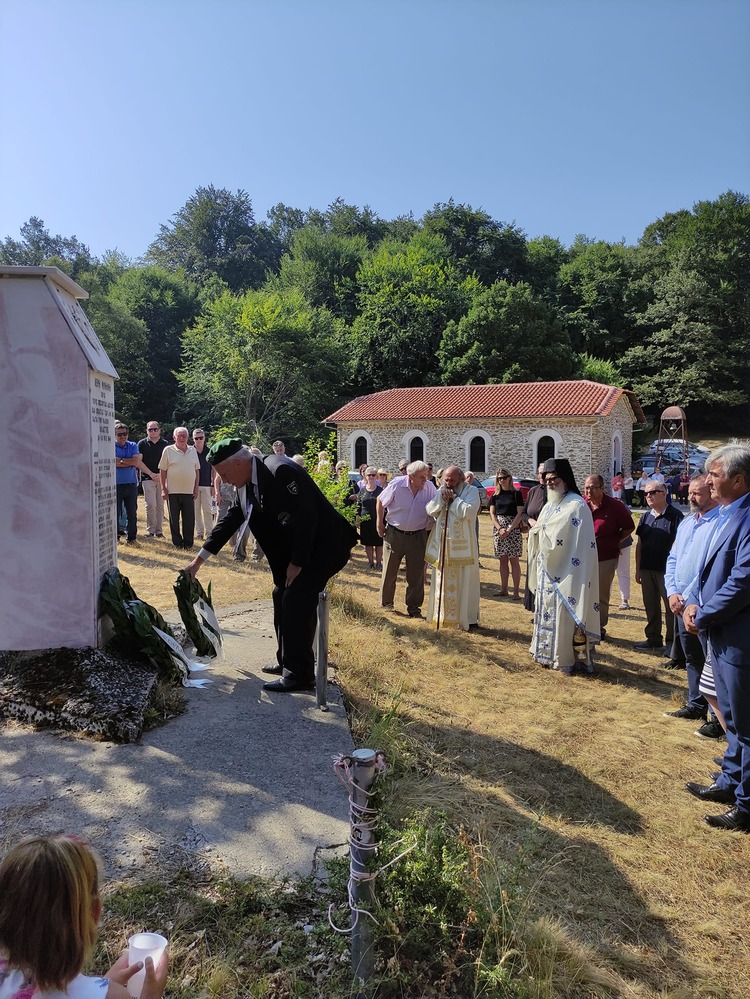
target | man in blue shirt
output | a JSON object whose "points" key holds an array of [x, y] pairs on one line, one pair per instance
{"points": [[680, 579], [127, 461]]}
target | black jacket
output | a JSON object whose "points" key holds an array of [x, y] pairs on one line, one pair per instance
{"points": [[292, 520]]}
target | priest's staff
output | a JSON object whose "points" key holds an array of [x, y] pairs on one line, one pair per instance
{"points": [[441, 563]]}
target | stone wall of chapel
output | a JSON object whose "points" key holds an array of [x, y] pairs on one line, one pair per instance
{"points": [[602, 450], [586, 442]]}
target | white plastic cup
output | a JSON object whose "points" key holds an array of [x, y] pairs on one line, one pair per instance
{"points": [[141, 946]]}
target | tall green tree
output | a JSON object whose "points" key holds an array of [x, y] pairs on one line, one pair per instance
{"points": [[126, 341], [696, 331], [37, 246], [545, 256], [166, 304], [408, 295], [266, 362], [343, 219], [283, 222], [686, 359], [509, 334], [215, 233], [477, 243], [600, 291], [324, 266]]}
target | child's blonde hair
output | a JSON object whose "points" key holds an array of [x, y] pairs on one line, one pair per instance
{"points": [[48, 889]]}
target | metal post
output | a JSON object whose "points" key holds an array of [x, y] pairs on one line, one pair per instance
{"points": [[321, 651], [362, 845]]}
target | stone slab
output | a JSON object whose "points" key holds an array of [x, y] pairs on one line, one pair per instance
{"points": [[92, 691]]}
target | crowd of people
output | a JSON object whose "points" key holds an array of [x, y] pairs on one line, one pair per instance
{"points": [[577, 545], [693, 571]]}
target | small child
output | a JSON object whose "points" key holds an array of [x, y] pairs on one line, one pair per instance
{"points": [[49, 911]]}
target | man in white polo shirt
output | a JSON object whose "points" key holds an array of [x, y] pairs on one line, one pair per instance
{"points": [[179, 469]]}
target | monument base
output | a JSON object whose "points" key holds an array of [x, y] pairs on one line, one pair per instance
{"points": [[100, 693]]}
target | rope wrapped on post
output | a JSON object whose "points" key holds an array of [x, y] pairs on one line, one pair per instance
{"points": [[363, 821]]}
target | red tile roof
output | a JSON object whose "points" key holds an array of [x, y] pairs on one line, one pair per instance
{"points": [[460, 402]]}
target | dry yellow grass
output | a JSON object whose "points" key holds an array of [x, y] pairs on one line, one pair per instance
{"points": [[579, 779]]}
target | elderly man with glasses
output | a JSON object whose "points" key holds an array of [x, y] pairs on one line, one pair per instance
{"points": [[656, 533], [151, 448], [128, 462]]}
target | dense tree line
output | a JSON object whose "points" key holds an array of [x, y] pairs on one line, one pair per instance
{"points": [[264, 327]]}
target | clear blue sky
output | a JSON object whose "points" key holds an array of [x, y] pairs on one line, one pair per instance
{"points": [[563, 116]]}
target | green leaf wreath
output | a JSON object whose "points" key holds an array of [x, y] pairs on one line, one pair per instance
{"points": [[188, 591], [134, 622]]}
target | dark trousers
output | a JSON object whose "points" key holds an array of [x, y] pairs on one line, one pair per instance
{"points": [[607, 570], [295, 620], [733, 694], [695, 657], [396, 546], [181, 508], [654, 596], [127, 495]]}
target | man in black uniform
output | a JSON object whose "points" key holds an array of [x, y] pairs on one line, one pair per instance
{"points": [[304, 539]]}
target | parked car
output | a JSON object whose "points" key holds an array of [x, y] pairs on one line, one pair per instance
{"points": [[671, 442], [522, 485], [647, 463]]}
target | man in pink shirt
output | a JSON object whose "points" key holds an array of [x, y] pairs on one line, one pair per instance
{"points": [[404, 500]]}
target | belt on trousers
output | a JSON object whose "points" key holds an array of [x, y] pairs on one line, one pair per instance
{"points": [[403, 532]]}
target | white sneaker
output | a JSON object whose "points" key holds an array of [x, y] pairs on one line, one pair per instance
{"points": [[625, 605]]}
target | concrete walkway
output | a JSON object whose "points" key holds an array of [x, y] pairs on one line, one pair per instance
{"points": [[242, 776]]}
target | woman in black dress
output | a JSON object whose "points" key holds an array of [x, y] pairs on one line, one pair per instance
{"points": [[367, 505], [535, 500], [506, 504]]}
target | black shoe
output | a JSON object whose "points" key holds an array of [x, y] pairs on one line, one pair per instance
{"points": [[415, 613], [714, 774], [272, 668], [693, 714], [718, 760], [735, 820], [287, 684], [648, 646], [674, 664], [711, 730], [711, 793]]}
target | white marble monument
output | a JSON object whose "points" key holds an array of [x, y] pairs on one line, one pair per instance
{"points": [[58, 530]]}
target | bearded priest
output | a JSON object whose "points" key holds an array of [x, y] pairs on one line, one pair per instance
{"points": [[453, 553], [564, 572]]}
